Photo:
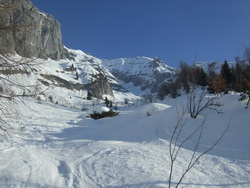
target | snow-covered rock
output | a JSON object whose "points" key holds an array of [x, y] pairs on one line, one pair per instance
{"points": [[152, 108], [98, 110]]}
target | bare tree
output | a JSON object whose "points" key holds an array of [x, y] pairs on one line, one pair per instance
{"points": [[247, 53], [211, 69], [13, 89], [198, 101], [11, 65], [177, 143]]}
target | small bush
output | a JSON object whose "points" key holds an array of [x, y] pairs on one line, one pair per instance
{"points": [[50, 98], [149, 113], [89, 95], [84, 108], [110, 113]]}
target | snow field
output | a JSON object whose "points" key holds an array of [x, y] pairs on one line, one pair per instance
{"points": [[59, 147]]}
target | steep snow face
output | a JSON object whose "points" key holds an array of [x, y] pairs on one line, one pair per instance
{"points": [[141, 74]]}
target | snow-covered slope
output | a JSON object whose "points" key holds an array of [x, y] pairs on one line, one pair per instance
{"points": [[61, 80], [88, 66], [59, 147], [141, 74], [82, 72], [52, 81]]}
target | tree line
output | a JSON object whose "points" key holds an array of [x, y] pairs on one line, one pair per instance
{"points": [[227, 78]]}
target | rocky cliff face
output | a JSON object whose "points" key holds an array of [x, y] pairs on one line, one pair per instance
{"points": [[28, 31], [100, 86]]}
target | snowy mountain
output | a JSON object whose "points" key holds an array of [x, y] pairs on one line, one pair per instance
{"points": [[80, 73], [45, 41], [103, 77], [141, 74]]}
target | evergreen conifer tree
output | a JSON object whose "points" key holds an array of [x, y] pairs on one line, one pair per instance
{"points": [[226, 74], [89, 95]]}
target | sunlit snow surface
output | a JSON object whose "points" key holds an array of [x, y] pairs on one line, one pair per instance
{"points": [[59, 147]]}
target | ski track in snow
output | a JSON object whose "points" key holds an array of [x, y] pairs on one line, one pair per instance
{"points": [[55, 148]]}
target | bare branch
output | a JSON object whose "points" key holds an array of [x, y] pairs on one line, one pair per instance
{"points": [[199, 101], [174, 148]]}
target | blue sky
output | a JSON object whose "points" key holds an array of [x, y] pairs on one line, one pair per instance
{"points": [[173, 30]]}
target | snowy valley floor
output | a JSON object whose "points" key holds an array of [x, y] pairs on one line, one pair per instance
{"points": [[58, 147]]}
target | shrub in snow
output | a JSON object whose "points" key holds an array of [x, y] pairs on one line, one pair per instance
{"points": [[110, 113], [39, 98], [89, 95], [102, 112], [126, 101], [50, 98], [84, 108], [108, 103], [245, 97]]}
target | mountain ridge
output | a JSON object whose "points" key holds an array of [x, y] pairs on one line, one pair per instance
{"points": [[143, 72]]}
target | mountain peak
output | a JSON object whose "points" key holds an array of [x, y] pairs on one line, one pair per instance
{"points": [[143, 73]]}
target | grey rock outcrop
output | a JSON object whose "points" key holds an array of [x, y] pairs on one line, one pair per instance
{"points": [[100, 86], [29, 32]]}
